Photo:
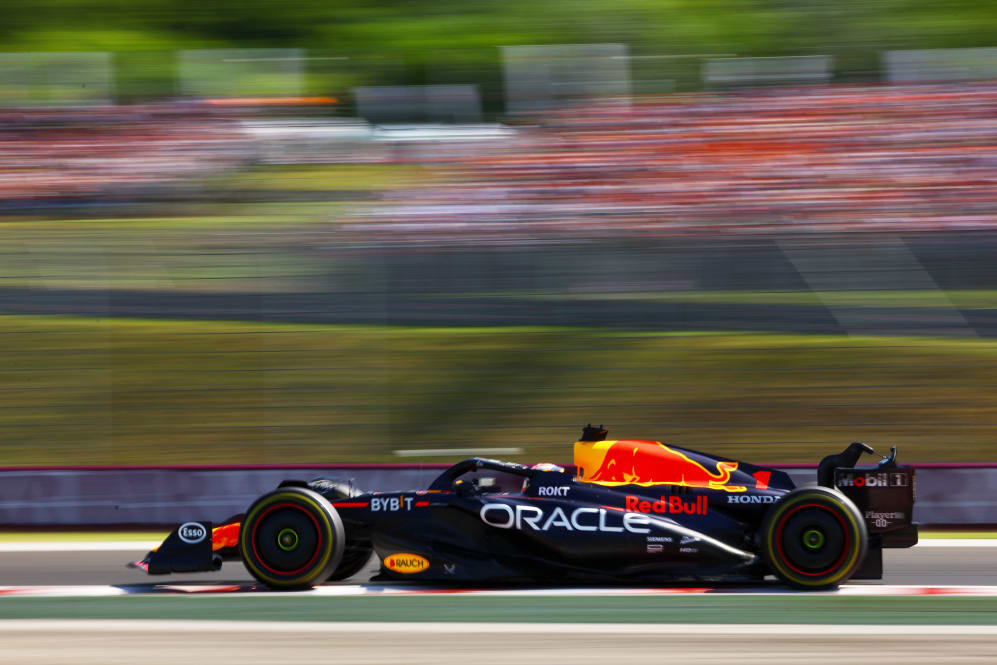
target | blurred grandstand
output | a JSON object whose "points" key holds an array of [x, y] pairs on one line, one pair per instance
{"points": [[816, 158], [810, 159], [770, 147], [72, 155]]}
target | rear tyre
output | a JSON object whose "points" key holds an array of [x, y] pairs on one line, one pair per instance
{"points": [[291, 538], [814, 539]]}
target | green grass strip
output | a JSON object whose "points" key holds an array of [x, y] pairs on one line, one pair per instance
{"points": [[322, 178], [963, 298], [780, 609], [110, 391]]}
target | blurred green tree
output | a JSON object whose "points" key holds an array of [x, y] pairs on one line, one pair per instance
{"points": [[418, 41]]}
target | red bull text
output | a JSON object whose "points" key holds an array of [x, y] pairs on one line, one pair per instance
{"points": [[673, 505], [648, 463]]}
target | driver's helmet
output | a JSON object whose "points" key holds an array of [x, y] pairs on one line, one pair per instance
{"points": [[542, 466], [547, 466]]}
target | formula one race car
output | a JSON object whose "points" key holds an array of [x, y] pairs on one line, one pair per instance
{"points": [[632, 511]]}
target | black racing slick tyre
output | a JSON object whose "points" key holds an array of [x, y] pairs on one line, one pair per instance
{"points": [[291, 538], [814, 538], [358, 548]]}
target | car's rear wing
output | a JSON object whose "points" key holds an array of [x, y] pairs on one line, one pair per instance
{"points": [[883, 492]]}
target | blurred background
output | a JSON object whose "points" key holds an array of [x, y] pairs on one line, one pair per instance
{"points": [[259, 232]]}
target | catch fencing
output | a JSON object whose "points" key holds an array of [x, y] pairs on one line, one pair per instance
{"points": [[152, 496]]}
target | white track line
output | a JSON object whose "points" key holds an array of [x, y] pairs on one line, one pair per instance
{"points": [[957, 542], [181, 627], [249, 591], [70, 546], [426, 452], [774, 590]]}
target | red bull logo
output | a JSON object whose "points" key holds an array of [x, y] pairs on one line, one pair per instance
{"points": [[648, 463]]}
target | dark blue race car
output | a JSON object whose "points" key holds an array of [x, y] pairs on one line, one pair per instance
{"points": [[631, 511]]}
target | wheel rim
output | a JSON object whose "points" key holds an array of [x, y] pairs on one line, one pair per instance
{"points": [[812, 540], [286, 539]]}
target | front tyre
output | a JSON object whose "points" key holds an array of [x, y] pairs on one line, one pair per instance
{"points": [[291, 538], [358, 549], [814, 538]]}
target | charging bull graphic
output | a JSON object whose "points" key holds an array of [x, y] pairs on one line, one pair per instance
{"points": [[647, 463]]}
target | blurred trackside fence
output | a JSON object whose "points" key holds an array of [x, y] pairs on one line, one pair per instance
{"points": [[535, 78], [43, 79], [154, 496], [720, 73]]}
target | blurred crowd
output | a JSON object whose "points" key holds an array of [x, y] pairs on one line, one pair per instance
{"points": [[828, 158], [49, 155], [823, 158]]}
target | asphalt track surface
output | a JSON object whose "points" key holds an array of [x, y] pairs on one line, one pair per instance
{"points": [[961, 631], [927, 566], [426, 310], [99, 643]]}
